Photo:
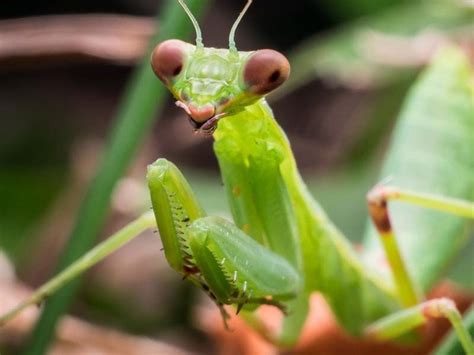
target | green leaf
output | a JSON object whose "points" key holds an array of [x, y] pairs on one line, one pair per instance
{"points": [[354, 54], [432, 151]]}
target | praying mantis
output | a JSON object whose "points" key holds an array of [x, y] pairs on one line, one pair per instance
{"points": [[282, 247]]}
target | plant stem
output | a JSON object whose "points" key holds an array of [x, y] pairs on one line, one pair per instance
{"points": [[143, 96]]}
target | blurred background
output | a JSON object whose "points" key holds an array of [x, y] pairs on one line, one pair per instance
{"points": [[63, 71]]}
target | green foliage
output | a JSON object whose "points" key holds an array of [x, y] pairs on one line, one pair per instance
{"points": [[26, 194], [33, 172], [347, 54], [431, 151], [356, 8]]}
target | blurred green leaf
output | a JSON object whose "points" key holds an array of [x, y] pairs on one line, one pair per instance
{"points": [[354, 54], [350, 9], [381, 112], [33, 171], [431, 151], [462, 271], [26, 194]]}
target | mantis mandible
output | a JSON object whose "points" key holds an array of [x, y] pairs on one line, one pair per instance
{"points": [[282, 246]]}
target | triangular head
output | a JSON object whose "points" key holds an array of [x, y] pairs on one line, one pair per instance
{"points": [[210, 83]]}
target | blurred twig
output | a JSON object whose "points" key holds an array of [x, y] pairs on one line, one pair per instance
{"points": [[118, 38]]}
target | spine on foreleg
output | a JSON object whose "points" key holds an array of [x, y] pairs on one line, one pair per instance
{"points": [[175, 208]]}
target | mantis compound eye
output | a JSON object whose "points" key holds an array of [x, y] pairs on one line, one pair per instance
{"points": [[167, 59], [266, 70]]}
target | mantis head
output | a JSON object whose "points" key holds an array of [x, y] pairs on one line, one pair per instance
{"points": [[209, 83]]}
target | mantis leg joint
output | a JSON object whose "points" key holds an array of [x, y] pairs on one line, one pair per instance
{"points": [[440, 308], [377, 202]]}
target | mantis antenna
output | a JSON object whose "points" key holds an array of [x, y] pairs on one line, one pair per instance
{"points": [[199, 43], [232, 46]]}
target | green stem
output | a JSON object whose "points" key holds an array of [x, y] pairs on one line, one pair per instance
{"points": [[143, 96], [107, 247]]}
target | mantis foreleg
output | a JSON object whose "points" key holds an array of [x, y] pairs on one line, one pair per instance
{"points": [[213, 253], [236, 268]]}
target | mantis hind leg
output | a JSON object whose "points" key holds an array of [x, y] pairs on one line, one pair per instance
{"points": [[401, 322], [415, 314], [378, 199]]}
